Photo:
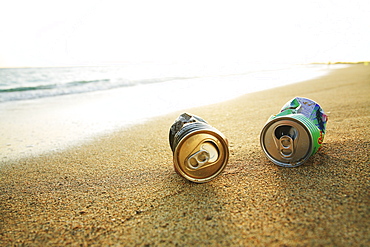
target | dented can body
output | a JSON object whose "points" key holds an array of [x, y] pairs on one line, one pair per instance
{"points": [[200, 151], [296, 133]]}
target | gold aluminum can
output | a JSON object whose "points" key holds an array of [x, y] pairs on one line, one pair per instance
{"points": [[200, 151]]}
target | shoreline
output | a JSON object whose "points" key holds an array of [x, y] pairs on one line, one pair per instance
{"points": [[33, 127], [121, 189]]}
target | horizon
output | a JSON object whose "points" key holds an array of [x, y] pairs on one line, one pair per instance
{"points": [[127, 63]]}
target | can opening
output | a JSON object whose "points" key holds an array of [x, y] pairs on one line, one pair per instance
{"points": [[212, 150], [285, 130]]}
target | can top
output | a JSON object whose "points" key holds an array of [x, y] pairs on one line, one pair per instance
{"points": [[287, 141], [201, 155]]}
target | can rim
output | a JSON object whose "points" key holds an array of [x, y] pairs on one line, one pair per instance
{"points": [[278, 162], [223, 142]]}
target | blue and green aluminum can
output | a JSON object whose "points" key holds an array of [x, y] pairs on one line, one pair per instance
{"points": [[290, 137]]}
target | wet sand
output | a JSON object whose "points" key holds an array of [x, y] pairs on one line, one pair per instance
{"points": [[121, 189]]}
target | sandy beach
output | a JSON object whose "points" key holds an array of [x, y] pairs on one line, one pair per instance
{"points": [[121, 189]]}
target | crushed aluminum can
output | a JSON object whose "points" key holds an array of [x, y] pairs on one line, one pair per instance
{"points": [[200, 152], [296, 133]]}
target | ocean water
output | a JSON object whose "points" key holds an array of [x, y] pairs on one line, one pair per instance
{"points": [[44, 109], [33, 83]]}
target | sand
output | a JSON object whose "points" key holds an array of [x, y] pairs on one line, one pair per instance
{"points": [[121, 189]]}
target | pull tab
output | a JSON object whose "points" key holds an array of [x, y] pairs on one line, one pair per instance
{"points": [[286, 146], [207, 154], [285, 136], [198, 159]]}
